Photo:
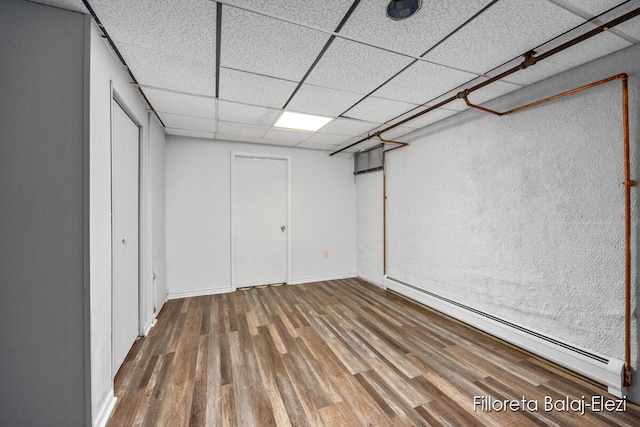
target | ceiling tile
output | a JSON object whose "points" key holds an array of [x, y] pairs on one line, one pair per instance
{"points": [[313, 146], [397, 133], [250, 42], [323, 14], [351, 66], [239, 138], [422, 82], [494, 90], [592, 7], [185, 28], [228, 128], [254, 89], [323, 101], [363, 145], [287, 135], [427, 118], [178, 121], [529, 75], [415, 35], [596, 47], [167, 71], [348, 127], [178, 103], [191, 133], [379, 110], [502, 33], [327, 139], [242, 113]]}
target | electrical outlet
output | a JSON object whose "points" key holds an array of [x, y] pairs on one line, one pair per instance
{"points": [[326, 254]]}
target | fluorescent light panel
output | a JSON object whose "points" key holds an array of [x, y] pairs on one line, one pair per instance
{"points": [[299, 121]]}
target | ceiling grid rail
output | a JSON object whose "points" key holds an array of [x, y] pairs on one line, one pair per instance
{"points": [[322, 52], [422, 56], [112, 45]]}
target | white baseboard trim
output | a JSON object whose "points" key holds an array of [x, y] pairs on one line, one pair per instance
{"points": [[322, 278], [148, 326], [603, 369], [101, 418], [199, 293]]}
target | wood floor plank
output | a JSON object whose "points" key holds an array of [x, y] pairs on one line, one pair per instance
{"points": [[334, 353], [269, 355], [198, 416]]}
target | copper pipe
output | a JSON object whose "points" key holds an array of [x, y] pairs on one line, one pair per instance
{"points": [[384, 196], [628, 183], [528, 61], [551, 98]]}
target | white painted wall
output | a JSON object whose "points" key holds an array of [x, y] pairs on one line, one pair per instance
{"points": [[370, 227], [106, 73], [198, 219], [522, 216], [158, 222]]}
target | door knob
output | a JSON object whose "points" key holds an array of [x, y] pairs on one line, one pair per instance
{"points": [[283, 228], [124, 240]]}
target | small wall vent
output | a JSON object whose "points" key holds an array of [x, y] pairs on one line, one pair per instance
{"points": [[369, 160]]}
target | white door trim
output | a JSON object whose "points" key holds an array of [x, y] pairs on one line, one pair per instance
{"points": [[287, 159]]}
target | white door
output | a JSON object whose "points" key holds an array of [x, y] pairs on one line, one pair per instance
{"points": [[125, 141], [260, 220]]}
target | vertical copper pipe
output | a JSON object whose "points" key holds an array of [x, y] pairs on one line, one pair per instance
{"points": [[384, 197], [384, 213], [628, 183]]}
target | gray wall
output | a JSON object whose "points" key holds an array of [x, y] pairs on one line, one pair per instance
{"points": [[42, 216]]}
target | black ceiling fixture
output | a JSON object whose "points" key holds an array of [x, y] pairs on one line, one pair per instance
{"points": [[402, 9]]}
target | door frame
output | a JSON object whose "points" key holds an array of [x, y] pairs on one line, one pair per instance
{"points": [[287, 159], [116, 98]]}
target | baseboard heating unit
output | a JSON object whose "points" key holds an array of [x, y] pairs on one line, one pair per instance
{"points": [[602, 369]]}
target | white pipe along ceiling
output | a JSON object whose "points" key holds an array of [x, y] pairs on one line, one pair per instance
{"points": [[228, 69]]}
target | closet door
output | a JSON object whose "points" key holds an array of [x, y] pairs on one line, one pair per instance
{"points": [[125, 217]]}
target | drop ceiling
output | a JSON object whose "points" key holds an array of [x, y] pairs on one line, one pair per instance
{"points": [[226, 70]]}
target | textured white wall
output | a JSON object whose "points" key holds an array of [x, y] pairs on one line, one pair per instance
{"points": [[323, 214], [370, 230], [522, 216]]}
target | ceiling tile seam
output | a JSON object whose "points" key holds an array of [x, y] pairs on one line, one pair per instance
{"points": [[111, 43], [465, 23], [342, 36], [179, 92], [186, 115], [233, 122], [257, 74], [322, 51], [484, 9], [188, 130]]}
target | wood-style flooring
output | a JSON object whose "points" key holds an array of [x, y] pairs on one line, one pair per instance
{"points": [[337, 353]]}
